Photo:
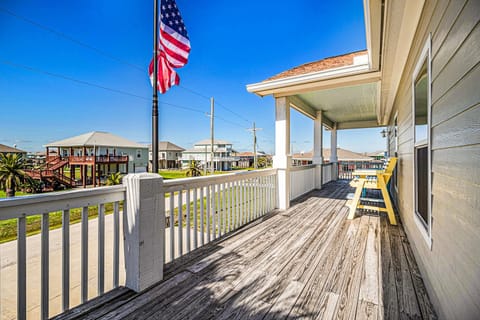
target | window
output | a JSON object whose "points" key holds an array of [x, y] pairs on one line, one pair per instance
{"points": [[421, 124]]}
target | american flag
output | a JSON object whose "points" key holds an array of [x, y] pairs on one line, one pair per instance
{"points": [[173, 46]]}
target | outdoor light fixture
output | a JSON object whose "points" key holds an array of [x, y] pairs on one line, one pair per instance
{"points": [[384, 133]]}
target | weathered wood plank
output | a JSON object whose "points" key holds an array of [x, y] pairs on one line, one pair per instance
{"points": [[389, 288], [366, 310], [350, 284], [327, 273], [369, 282], [143, 299], [424, 303], [100, 303], [285, 301], [407, 301]]}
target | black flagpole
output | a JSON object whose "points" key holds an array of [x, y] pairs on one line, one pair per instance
{"points": [[155, 89]]}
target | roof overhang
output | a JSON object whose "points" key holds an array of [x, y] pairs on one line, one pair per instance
{"points": [[388, 44]]}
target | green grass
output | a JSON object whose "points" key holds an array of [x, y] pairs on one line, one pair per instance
{"points": [[178, 174], [17, 194], [172, 174]]}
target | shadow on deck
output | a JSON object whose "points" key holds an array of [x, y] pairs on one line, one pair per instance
{"points": [[306, 262]]}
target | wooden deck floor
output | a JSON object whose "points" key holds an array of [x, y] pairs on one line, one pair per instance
{"points": [[308, 262]]}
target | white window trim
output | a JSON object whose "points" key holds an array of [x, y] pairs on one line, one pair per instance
{"points": [[396, 140], [425, 55]]}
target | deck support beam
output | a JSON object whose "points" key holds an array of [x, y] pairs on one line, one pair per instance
{"points": [[144, 230], [282, 158]]}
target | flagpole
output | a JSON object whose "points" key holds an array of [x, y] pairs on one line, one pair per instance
{"points": [[155, 90]]}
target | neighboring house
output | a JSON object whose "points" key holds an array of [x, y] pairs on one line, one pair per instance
{"points": [[377, 155], [169, 155], [348, 161], [223, 158], [246, 159], [90, 157], [6, 149], [419, 77]]}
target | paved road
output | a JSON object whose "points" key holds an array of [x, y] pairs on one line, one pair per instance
{"points": [[8, 268]]}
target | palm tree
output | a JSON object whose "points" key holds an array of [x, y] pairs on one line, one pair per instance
{"points": [[193, 170], [114, 179], [11, 172]]}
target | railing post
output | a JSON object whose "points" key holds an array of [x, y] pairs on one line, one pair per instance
{"points": [[333, 152], [144, 230], [282, 159], [317, 159]]}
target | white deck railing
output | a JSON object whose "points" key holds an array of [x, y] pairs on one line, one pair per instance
{"points": [[202, 209], [329, 172], [80, 201], [302, 180]]}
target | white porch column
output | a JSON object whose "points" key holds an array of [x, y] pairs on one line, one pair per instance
{"points": [[333, 152], [282, 158], [144, 230], [318, 149]]}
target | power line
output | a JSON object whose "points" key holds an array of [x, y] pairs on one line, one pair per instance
{"points": [[233, 112], [105, 54], [110, 56], [61, 76], [90, 84], [69, 38], [218, 103]]}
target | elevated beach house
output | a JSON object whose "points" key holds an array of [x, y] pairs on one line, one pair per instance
{"points": [[169, 155], [88, 158], [223, 158], [283, 242]]}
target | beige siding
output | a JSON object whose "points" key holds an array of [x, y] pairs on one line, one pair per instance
{"points": [[451, 269]]}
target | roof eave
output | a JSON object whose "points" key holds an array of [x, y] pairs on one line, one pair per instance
{"points": [[278, 85]]}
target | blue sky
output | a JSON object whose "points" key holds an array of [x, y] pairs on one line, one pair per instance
{"points": [[234, 43]]}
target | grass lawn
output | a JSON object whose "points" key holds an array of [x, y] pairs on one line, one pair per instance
{"points": [[178, 174], [17, 194], [172, 174]]}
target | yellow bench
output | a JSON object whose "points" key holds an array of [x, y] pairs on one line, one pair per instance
{"points": [[373, 179]]}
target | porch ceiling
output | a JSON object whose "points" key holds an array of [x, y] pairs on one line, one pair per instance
{"points": [[351, 106]]}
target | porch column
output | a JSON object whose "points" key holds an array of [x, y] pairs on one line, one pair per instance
{"points": [[333, 152], [282, 158], [317, 158], [144, 230]]}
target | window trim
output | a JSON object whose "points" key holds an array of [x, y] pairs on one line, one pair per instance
{"points": [[396, 141], [426, 54]]}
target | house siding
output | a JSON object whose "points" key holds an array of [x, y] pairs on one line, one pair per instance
{"points": [[451, 268]]}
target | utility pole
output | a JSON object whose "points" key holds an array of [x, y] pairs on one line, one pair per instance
{"points": [[212, 107], [254, 131]]}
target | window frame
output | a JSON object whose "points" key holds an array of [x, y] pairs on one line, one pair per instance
{"points": [[425, 230]]}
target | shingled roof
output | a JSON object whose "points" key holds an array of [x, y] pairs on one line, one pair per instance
{"points": [[167, 146], [96, 138], [320, 65], [7, 149]]}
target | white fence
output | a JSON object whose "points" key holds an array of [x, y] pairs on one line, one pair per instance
{"points": [[302, 180], [70, 205], [203, 209], [197, 211]]}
